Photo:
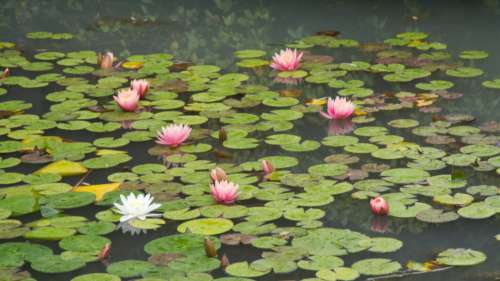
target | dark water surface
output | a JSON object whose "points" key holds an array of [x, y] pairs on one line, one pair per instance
{"points": [[210, 31]]}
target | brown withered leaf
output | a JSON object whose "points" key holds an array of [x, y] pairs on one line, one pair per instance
{"points": [[449, 96], [98, 109], [294, 93], [180, 65], [332, 33], [222, 153], [36, 156], [164, 259], [236, 239], [176, 85], [342, 159], [439, 140], [5, 114], [430, 109], [490, 127], [373, 47], [374, 167], [353, 175]]}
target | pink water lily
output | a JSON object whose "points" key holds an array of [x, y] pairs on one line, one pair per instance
{"points": [[141, 86], [338, 108], [287, 60], [267, 167], [224, 192], [128, 100], [379, 206], [173, 135], [218, 174], [106, 61]]}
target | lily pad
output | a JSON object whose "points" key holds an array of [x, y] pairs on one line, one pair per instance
{"points": [[461, 257]]}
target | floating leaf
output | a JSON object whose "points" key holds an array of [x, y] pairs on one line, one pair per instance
{"points": [[461, 257]]}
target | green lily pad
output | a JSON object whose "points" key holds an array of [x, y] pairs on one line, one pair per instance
{"points": [[331, 241], [434, 85], [339, 141], [130, 268], [207, 226], [461, 257], [436, 216], [464, 72], [243, 269], [478, 210], [328, 170], [376, 266], [69, 200], [404, 175], [492, 84], [316, 263], [97, 277], [385, 245], [473, 54], [56, 264], [187, 244], [49, 233], [84, 243]]}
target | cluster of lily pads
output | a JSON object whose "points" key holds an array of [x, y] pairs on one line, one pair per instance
{"points": [[238, 120]]}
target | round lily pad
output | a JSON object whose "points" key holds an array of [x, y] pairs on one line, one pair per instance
{"points": [[376, 266], [49, 233], [207, 226], [56, 264], [243, 269], [130, 268], [187, 244], [478, 210], [461, 257], [83, 243], [97, 277]]}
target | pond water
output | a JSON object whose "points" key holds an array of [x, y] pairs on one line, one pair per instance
{"points": [[424, 136]]}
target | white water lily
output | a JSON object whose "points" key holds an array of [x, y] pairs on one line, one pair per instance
{"points": [[136, 207]]}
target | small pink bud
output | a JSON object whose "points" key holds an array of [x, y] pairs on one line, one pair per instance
{"points": [[267, 167], [5, 73], [379, 206], [218, 174], [104, 253]]}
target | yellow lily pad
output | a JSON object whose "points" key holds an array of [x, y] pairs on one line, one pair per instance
{"points": [[132, 64], [98, 189], [102, 152], [63, 168], [30, 141]]}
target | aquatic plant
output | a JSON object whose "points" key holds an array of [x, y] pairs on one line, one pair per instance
{"points": [[379, 206], [218, 174], [136, 207], [338, 108], [141, 86], [106, 60], [173, 135], [287, 60], [127, 100], [224, 192], [267, 167]]}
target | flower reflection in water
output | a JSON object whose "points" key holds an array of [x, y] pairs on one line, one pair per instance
{"points": [[341, 127], [288, 81], [380, 224], [125, 227]]}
